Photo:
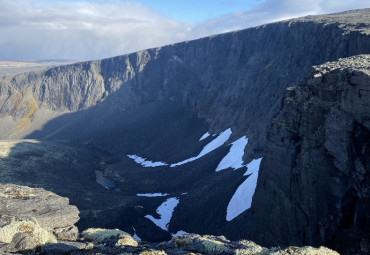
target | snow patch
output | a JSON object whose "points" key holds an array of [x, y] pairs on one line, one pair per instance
{"points": [[253, 166], [165, 211], [135, 236], [146, 163], [152, 194], [242, 198], [234, 159], [214, 144], [180, 232], [204, 136]]}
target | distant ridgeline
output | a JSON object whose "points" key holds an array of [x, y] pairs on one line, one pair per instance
{"points": [[183, 137]]}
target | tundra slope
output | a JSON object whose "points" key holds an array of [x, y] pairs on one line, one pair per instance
{"points": [[158, 102]]}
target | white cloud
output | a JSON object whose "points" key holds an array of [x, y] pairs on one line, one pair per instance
{"points": [[81, 30], [275, 10], [36, 29]]}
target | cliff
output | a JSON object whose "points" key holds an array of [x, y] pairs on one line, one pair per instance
{"points": [[231, 80], [125, 137], [314, 184]]}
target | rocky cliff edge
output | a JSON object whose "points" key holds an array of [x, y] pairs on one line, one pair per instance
{"points": [[314, 184]]}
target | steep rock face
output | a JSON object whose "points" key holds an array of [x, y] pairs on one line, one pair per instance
{"points": [[232, 80], [314, 184]]}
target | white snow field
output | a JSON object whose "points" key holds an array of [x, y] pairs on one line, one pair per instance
{"points": [[214, 144], [146, 163], [234, 159], [242, 198], [152, 194], [165, 211], [204, 136]]}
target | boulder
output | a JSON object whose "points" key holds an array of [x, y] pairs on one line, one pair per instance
{"points": [[31, 216], [45, 208], [126, 240], [99, 235], [203, 244]]}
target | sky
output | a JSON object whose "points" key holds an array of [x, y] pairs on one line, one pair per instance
{"points": [[95, 29]]}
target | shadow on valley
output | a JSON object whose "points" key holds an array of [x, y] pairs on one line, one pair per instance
{"points": [[72, 151]]}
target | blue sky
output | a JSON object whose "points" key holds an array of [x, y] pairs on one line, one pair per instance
{"points": [[193, 11], [95, 29], [198, 10]]}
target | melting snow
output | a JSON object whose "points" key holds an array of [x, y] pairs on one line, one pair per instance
{"points": [[180, 232], [152, 194], [253, 166], [242, 198], [165, 211], [146, 163], [234, 159], [214, 144], [135, 236], [204, 136]]}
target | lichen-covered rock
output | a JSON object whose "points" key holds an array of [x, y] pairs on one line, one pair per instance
{"points": [[246, 247], [203, 244], [98, 235], [44, 208], [31, 216], [126, 240], [24, 242], [40, 235], [69, 233], [306, 250], [153, 253]]}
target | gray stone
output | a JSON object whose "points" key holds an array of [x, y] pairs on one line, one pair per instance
{"points": [[24, 242], [203, 244], [62, 247], [315, 169], [49, 210], [69, 233]]}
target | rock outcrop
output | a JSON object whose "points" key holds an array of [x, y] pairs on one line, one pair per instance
{"points": [[314, 184], [32, 216]]}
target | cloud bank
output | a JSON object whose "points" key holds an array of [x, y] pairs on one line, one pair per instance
{"points": [[35, 29]]}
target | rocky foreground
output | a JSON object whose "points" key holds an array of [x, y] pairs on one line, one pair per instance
{"points": [[36, 221]]}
